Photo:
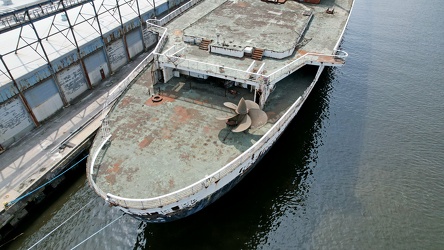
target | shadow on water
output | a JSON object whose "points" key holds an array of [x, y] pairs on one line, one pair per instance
{"points": [[280, 183]]}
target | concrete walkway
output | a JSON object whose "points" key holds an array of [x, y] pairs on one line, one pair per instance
{"points": [[25, 162]]}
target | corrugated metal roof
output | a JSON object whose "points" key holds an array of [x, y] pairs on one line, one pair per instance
{"points": [[57, 46]]}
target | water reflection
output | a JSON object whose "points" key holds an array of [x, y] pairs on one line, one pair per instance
{"points": [[279, 185]]}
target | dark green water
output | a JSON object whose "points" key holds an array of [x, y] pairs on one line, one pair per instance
{"points": [[361, 166]]}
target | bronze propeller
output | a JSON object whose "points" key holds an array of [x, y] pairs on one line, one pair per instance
{"points": [[247, 114]]}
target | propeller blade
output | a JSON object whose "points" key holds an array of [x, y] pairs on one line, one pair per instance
{"points": [[243, 125], [226, 118], [258, 118], [242, 107], [230, 105], [251, 105]]}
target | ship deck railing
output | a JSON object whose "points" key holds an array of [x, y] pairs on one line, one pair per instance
{"points": [[258, 148], [116, 92], [174, 57], [105, 129], [336, 59], [203, 183]]}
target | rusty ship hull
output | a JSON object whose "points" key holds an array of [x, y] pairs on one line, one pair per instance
{"points": [[161, 154]]}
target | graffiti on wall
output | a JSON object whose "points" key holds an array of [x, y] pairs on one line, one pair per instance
{"points": [[117, 54], [72, 81], [13, 120]]}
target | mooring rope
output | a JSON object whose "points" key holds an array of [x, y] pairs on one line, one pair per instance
{"points": [[11, 240], [38, 242], [92, 235], [8, 204]]}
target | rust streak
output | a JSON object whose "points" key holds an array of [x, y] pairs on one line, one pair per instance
{"points": [[115, 167], [185, 157], [182, 114], [146, 141], [166, 133], [198, 102], [326, 59], [111, 179], [207, 130], [125, 101]]}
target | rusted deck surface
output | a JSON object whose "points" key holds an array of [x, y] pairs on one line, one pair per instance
{"points": [[248, 24], [157, 148], [237, 24]]}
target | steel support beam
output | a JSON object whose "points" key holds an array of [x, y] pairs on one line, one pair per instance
{"points": [[65, 102], [123, 31], [85, 73], [141, 24], [17, 17], [21, 95], [96, 16]]}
